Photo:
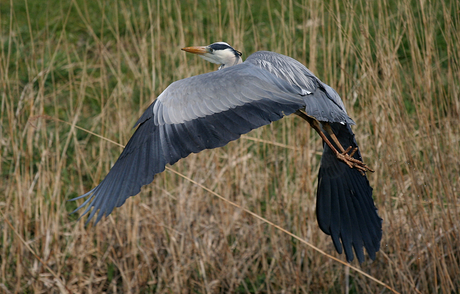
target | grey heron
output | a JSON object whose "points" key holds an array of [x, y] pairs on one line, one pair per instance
{"points": [[209, 110]]}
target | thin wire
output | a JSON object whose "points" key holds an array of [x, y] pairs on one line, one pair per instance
{"points": [[281, 229]]}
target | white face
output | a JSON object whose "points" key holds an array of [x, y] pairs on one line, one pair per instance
{"points": [[226, 56]]}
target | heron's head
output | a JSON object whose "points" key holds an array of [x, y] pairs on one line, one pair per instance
{"points": [[219, 53]]}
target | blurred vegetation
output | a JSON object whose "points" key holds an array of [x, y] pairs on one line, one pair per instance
{"points": [[96, 65]]}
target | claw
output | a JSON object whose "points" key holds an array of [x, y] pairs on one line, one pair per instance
{"points": [[344, 156], [354, 151], [352, 162]]}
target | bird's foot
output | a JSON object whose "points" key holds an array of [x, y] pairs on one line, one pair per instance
{"points": [[353, 162]]}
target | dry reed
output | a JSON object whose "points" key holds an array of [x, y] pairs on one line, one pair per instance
{"points": [[98, 64]]}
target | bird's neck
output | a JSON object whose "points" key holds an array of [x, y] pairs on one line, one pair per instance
{"points": [[231, 62]]}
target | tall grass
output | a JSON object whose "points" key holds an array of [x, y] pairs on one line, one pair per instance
{"points": [[97, 65]]}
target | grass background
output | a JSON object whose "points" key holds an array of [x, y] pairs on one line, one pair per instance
{"points": [[98, 64]]}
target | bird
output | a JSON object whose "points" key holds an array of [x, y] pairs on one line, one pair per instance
{"points": [[210, 110]]}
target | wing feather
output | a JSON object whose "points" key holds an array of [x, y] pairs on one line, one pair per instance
{"points": [[153, 146], [345, 208]]}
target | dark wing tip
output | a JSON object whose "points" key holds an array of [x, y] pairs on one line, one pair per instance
{"points": [[345, 207], [138, 163]]}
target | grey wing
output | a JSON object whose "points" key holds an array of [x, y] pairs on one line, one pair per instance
{"points": [[321, 101], [216, 92], [201, 112]]}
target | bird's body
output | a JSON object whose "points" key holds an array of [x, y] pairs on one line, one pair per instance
{"points": [[212, 109]]}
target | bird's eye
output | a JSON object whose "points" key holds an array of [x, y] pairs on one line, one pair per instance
{"points": [[211, 50]]}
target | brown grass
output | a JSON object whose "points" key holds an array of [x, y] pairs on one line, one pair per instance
{"points": [[98, 64]]}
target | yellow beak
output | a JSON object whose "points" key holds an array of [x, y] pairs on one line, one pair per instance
{"points": [[196, 50]]}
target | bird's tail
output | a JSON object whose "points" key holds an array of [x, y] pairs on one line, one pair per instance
{"points": [[345, 208]]}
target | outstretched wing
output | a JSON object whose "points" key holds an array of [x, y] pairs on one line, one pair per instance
{"points": [[201, 112]]}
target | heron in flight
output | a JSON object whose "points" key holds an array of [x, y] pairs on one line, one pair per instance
{"points": [[209, 110]]}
